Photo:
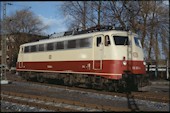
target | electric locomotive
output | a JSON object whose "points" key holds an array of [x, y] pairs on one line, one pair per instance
{"points": [[103, 57]]}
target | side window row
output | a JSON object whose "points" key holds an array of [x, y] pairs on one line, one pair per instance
{"points": [[70, 44]]}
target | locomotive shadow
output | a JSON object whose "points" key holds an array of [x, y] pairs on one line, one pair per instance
{"points": [[131, 102], [130, 97]]}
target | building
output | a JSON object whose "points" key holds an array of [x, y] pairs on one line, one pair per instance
{"points": [[13, 43]]}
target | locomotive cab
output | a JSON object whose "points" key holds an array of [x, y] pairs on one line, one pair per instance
{"points": [[119, 53], [123, 52], [128, 49], [129, 53]]}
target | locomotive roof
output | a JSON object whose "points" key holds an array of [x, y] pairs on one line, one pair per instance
{"points": [[71, 37]]}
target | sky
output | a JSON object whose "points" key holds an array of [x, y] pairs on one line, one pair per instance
{"points": [[49, 12]]}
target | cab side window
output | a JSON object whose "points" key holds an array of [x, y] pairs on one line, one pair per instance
{"points": [[99, 41], [107, 40], [26, 50]]}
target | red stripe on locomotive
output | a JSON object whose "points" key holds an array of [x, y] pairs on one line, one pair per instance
{"points": [[112, 69]]}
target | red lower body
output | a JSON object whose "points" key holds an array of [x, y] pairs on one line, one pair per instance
{"points": [[111, 69]]}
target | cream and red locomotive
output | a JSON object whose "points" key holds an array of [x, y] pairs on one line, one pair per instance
{"points": [[105, 58]]}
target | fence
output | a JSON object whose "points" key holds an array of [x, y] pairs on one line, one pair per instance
{"points": [[158, 69]]}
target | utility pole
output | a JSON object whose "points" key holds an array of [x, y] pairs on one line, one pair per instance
{"points": [[167, 68], [3, 47], [99, 12]]}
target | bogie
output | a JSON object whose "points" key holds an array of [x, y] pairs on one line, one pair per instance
{"points": [[87, 81]]}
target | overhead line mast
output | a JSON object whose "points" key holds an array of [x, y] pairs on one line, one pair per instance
{"points": [[3, 47]]}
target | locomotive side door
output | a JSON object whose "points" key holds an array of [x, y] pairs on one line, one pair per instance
{"points": [[21, 65], [98, 50], [129, 52]]}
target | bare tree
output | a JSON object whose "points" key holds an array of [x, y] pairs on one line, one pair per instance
{"points": [[149, 19], [78, 10], [85, 13], [98, 4], [156, 24], [20, 23], [24, 21]]}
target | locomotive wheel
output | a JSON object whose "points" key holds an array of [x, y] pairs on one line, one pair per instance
{"points": [[104, 87], [71, 80], [26, 77], [88, 82], [115, 86], [89, 85], [110, 86], [66, 82], [40, 79]]}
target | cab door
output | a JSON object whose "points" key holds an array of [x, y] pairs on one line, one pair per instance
{"points": [[21, 65], [98, 50], [129, 52]]}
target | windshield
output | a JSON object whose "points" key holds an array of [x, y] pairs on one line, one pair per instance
{"points": [[137, 42], [121, 40]]}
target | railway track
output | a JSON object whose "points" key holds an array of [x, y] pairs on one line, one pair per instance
{"points": [[76, 97], [54, 104], [151, 96]]}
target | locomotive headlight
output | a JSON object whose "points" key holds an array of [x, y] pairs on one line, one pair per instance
{"points": [[124, 60], [144, 63], [124, 63]]}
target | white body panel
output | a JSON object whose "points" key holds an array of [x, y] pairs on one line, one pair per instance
{"points": [[112, 52]]}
